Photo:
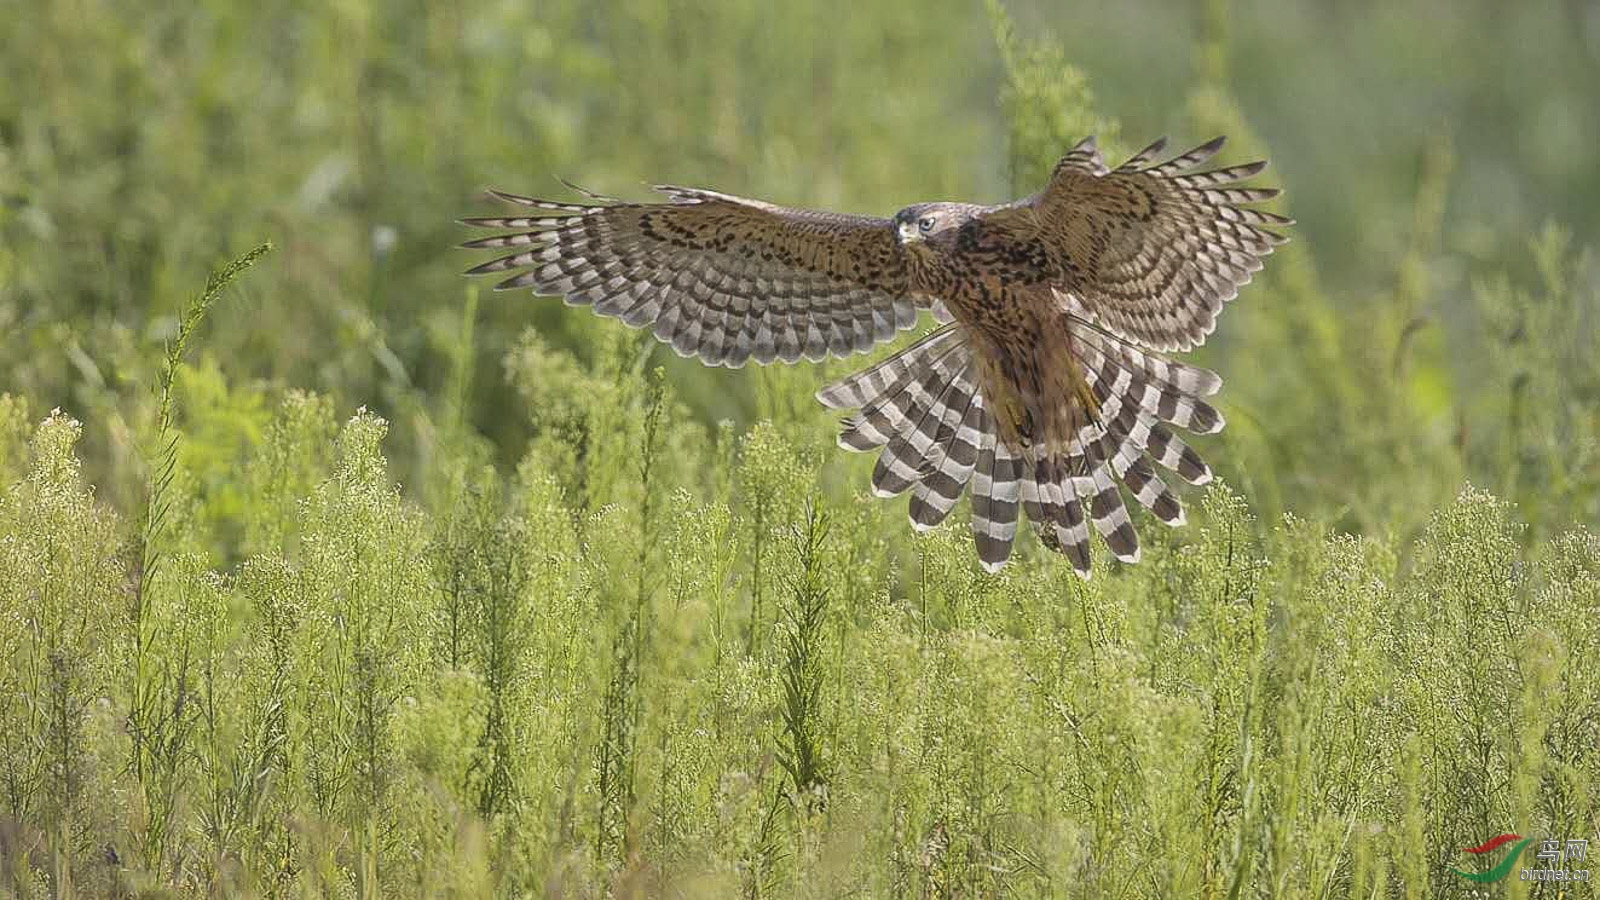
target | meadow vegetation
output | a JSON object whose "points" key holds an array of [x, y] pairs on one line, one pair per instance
{"points": [[331, 576]]}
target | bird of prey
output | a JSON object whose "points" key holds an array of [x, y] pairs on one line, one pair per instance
{"points": [[1046, 384]]}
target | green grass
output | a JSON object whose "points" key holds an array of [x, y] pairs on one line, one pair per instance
{"points": [[351, 581]]}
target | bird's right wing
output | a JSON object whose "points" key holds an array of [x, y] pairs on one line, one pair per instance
{"points": [[719, 277]]}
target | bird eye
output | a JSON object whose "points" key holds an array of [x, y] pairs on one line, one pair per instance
{"points": [[925, 224]]}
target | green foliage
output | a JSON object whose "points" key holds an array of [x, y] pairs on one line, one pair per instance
{"points": [[1046, 102], [167, 657], [388, 712], [61, 577], [574, 617], [1542, 384], [802, 752]]}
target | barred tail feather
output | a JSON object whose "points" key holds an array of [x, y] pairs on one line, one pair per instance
{"points": [[862, 387], [923, 408], [907, 458], [1050, 499], [922, 411], [1141, 397], [996, 490], [949, 465]]}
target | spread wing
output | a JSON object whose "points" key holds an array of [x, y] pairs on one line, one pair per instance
{"points": [[716, 276], [1151, 251]]}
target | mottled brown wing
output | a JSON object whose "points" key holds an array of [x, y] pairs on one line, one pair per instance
{"points": [[716, 276], [1151, 251]]}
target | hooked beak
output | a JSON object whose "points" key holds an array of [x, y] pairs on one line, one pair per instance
{"points": [[908, 233]]}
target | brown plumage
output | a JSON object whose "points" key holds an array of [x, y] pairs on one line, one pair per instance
{"points": [[1043, 390]]}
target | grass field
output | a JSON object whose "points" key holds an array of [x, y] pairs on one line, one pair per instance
{"points": [[323, 574]]}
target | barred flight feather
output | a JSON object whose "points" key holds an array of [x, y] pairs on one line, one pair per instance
{"points": [[719, 277], [1162, 284]]}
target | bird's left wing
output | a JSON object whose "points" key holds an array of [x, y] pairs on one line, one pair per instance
{"points": [[1150, 250], [719, 277]]}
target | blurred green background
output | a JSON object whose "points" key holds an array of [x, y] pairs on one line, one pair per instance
{"points": [[1423, 147], [629, 632]]}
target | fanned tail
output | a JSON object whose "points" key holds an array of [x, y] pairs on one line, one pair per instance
{"points": [[1140, 395], [924, 413], [922, 407]]}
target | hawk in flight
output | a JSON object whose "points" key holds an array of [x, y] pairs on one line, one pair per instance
{"points": [[1045, 385]]}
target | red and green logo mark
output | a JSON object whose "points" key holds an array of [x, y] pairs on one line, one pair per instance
{"points": [[1505, 866]]}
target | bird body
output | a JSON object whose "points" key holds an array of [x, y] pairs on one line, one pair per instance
{"points": [[997, 286], [1045, 387]]}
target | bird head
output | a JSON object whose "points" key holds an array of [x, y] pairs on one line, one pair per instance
{"points": [[917, 224]]}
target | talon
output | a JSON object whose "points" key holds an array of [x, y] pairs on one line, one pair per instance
{"points": [[1021, 421]]}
